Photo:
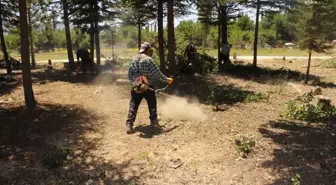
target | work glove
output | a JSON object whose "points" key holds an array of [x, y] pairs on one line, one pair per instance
{"points": [[170, 81]]}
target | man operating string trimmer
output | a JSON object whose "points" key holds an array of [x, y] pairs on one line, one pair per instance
{"points": [[141, 72]]}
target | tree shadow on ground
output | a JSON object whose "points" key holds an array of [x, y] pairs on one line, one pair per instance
{"points": [[48, 146], [303, 149], [266, 75], [207, 91]]}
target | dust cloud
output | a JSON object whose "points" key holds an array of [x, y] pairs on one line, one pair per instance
{"points": [[109, 90], [178, 108]]}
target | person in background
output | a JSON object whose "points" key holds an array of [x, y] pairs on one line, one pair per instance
{"points": [[191, 52], [86, 59]]}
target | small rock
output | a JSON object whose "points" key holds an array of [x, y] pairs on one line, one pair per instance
{"points": [[88, 160], [90, 182], [68, 157], [12, 158], [42, 82], [175, 163], [3, 102], [219, 108], [66, 167], [321, 97], [290, 61], [78, 152], [318, 91], [99, 90]]}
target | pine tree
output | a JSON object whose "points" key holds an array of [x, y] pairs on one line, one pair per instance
{"points": [[65, 4], [220, 13], [266, 5], [161, 35], [138, 13], [87, 14], [24, 36], [313, 24], [171, 37]]}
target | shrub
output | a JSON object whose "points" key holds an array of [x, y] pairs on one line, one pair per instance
{"points": [[230, 93], [256, 97], [303, 108], [244, 146], [203, 64]]}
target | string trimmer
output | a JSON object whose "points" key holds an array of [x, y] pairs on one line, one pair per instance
{"points": [[160, 91]]}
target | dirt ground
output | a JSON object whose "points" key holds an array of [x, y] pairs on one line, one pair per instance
{"points": [[77, 134]]}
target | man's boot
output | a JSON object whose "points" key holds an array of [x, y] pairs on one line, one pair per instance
{"points": [[154, 125], [129, 129]]}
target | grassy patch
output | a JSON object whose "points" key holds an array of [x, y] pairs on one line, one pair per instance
{"points": [[264, 52], [62, 54], [330, 63], [256, 97], [144, 155]]}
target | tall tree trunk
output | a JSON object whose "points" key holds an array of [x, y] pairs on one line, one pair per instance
{"points": [[171, 37], [92, 40], [92, 29], [308, 67], [31, 39], [67, 33], [220, 65], [112, 44], [219, 41], [161, 36], [3, 45], [226, 57], [26, 73], [139, 33], [97, 41], [256, 33]]}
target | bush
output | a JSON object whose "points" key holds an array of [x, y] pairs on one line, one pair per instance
{"points": [[230, 93], [203, 64], [244, 146], [296, 180], [302, 108]]}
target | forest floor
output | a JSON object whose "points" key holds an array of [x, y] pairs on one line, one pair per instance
{"points": [[77, 133]]}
